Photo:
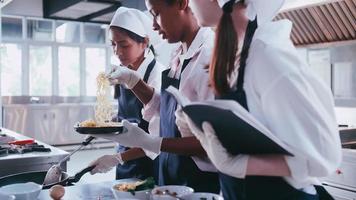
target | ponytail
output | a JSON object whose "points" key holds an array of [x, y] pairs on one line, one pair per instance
{"points": [[224, 53]]}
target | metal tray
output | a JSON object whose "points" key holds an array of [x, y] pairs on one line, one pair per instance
{"points": [[99, 130]]}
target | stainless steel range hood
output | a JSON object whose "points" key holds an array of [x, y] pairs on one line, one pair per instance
{"points": [[100, 11], [325, 22]]}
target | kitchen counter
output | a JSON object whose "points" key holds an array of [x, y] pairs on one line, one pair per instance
{"points": [[93, 191], [33, 161]]}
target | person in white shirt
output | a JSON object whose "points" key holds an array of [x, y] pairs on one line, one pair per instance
{"points": [[182, 160], [256, 64], [132, 40]]}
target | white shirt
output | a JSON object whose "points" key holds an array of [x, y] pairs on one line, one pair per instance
{"points": [[194, 79], [293, 104], [154, 79]]}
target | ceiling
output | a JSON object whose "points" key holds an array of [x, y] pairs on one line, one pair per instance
{"points": [[100, 11], [332, 21]]}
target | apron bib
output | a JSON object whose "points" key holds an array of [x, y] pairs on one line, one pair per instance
{"points": [[130, 109], [177, 169], [258, 187]]}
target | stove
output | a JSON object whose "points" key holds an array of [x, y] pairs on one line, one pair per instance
{"points": [[21, 149]]}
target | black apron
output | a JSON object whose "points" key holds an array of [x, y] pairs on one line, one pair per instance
{"points": [[257, 187], [177, 169], [130, 109]]}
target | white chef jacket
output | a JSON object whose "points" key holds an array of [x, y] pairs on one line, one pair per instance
{"points": [[293, 104], [194, 83]]}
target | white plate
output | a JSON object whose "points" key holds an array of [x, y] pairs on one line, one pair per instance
{"points": [[22, 191], [178, 189], [139, 195], [202, 195]]}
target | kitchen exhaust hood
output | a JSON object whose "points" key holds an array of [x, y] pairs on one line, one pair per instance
{"points": [[100, 11], [325, 22]]}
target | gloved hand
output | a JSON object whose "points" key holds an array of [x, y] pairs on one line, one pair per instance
{"points": [[134, 137], [182, 124], [124, 75], [106, 163], [231, 165]]}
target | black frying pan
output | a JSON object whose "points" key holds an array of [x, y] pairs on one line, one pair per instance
{"points": [[38, 177]]}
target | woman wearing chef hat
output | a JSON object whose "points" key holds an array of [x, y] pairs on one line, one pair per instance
{"points": [[256, 64], [182, 160], [132, 40]]}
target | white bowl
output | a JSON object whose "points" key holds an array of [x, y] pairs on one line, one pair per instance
{"points": [[22, 191], [178, 189], [139, 195], [202, 195], [6, 197]]}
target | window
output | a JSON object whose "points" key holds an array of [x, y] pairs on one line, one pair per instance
{"points": [[40, 63], [39, 30], [94, 33], [69, 71], [11, 75], [344, 79], [11, 28], [94, 64], [319, 61], [68, 32]]}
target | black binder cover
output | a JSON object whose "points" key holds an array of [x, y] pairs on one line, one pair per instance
{"points": [[237, 136]]}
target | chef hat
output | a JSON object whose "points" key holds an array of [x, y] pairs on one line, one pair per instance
{"points": [[264, 9], [137, 22]]}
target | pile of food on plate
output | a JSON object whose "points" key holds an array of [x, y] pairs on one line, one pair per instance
{"points": [[165, 192], [93, 123], [133, 187]]}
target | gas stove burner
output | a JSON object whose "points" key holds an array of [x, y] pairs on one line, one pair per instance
{"points": [[21, 149], [4, 151]]}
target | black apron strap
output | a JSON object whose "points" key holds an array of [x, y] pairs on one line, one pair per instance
{"points": [[251, 28], [149, 70]]}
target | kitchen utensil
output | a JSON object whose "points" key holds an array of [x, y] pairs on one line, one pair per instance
{"points": [[22, 191], [54, 173], [38, 177], [22, 142], [170, 192], [202, 195]]}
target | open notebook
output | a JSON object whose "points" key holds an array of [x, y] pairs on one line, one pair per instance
{"points": [[238, 131]]}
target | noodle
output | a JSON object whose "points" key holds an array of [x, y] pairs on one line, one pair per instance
{"points": [[103, 107]]}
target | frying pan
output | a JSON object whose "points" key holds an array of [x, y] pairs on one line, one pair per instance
{"points": [[38, 177]]}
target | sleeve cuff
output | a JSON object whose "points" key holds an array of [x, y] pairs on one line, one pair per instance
{"points": [[151, 154], [152, 107], [298, 167], [240, 166]]}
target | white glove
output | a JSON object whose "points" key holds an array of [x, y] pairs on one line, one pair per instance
{"points": [[106, 163], [134, 137], [124, 75], [182, 123], [231, 165]]}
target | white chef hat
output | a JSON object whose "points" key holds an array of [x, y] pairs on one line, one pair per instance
{"points": [[264, 9], [137, 22]]}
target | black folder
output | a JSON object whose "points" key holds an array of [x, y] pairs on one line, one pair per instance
{"points": [[236, 135]]}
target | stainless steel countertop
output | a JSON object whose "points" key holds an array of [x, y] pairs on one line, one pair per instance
{"points": [[33, 161], [93, 191]]}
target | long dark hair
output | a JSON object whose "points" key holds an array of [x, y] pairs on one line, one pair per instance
{"points": [[225, 50], [134, 37]]}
